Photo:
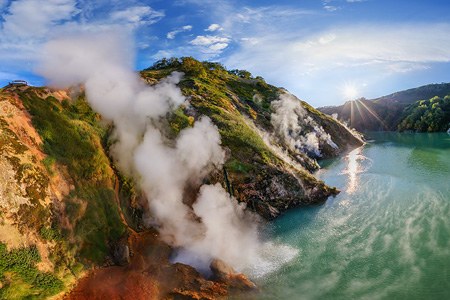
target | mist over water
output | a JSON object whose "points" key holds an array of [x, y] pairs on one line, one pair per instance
{"points": [[386, 236]]}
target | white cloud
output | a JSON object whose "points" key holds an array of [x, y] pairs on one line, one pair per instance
{"points": [[350, 46], [34, 18], [26, 24], [211, 44], [137, 15], [238, 23], [213, 27], [3, 3], [171, 35], [202, 40], [330, 8], [376, 51], [327, 38], [163, 54], [267, 13], [218, 46]]}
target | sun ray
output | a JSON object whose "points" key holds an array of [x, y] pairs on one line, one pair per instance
{"points": [[374, 114], [352, 114]]}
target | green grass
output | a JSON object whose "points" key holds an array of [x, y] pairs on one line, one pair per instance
{"points": [[229, 98], [71, 143], [20, 277], [73, 137], [237, 166], [100, 224], [178, 120], [49, 233], [225, 98]]}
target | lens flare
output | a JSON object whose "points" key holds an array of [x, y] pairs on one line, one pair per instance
{"points": [[350, 92]]}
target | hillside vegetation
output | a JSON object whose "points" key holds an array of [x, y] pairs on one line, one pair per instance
{"points": [[57, 190], [241, 107], [65, 209], [427, 115]]}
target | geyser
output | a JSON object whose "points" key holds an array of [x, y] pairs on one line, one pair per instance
{"points": [[215, 226]]}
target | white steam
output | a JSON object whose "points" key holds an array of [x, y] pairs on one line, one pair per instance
{"points": [[296, 129], [215, 225]]}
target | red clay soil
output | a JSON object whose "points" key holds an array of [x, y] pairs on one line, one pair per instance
{"points": [[149, 275]]}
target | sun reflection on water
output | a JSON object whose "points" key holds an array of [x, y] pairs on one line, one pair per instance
{"points": [[354, 167]]}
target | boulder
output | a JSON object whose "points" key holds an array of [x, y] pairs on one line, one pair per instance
{"points": [[223, 272], [121, 254]]}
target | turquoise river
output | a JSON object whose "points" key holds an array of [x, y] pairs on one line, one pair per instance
{"points": [[385, 236]]}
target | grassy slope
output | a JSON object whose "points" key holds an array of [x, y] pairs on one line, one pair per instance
{"points": [[23, 279], [256, 174], [72, 138]]}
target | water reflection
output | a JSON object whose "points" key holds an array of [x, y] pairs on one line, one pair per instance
{"points": [[354, 167]]}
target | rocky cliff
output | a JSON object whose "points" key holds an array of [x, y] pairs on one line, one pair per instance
{"points": [[65, 209]]}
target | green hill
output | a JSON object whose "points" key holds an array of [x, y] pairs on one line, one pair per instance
{"points": [[65, 209]]}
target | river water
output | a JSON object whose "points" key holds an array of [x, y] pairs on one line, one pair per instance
{"points": [[385, 236]]}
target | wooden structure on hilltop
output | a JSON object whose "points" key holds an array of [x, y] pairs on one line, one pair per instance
{"points": [[18, 83]]}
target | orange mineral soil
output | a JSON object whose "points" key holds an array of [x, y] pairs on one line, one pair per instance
{"points": [[149, 275]]}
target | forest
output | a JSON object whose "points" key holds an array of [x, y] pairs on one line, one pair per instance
{"points": [[427, 115]]}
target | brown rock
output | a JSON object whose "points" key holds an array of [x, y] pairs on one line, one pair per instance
{"points": [[223, 272]]}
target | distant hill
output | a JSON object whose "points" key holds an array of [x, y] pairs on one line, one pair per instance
{"points": [[388, 112]]}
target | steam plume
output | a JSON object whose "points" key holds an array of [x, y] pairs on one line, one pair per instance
{"points": [[216, 226], [295, 128]]}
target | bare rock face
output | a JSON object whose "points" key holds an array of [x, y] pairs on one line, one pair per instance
{"points": [[223, 272], [121, 253]]}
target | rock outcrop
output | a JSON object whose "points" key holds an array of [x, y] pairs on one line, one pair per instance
{"points": [[222, 272]]}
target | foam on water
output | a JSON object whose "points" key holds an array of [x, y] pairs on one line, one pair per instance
{"points": [[271, 258]]}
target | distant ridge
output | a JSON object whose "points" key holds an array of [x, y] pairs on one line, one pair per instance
{"points": [[387, 112]]}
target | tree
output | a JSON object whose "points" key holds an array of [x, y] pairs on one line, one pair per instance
{"points": [[192, 67]]}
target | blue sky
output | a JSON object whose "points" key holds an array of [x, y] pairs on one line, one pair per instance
{"points": [[324, 51]]}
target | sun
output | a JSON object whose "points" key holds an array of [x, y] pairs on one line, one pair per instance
{"points": [[350, 92]]}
